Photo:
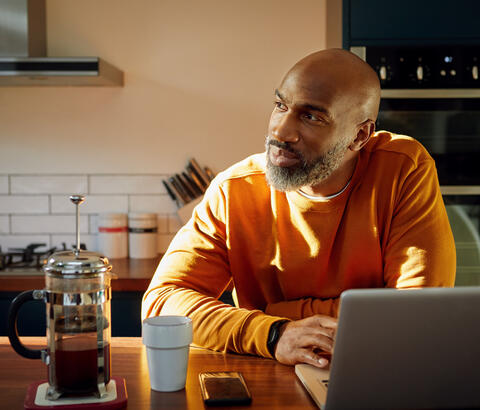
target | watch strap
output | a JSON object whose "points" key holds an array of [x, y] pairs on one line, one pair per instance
{"points": [[274, 335]]}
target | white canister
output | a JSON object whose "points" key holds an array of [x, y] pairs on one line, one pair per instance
{"points": [[142, 235], [113, 235]]}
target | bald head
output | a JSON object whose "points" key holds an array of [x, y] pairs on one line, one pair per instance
{"points": [[324, 114], [344, 76]]}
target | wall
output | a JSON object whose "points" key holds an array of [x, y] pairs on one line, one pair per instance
{"points": [[333, 24], [199, 81]]}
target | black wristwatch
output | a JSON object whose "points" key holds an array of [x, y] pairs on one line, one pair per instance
{"points": [[274, 335]]}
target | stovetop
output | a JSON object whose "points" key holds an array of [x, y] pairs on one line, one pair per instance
{"points": [[28, 259]]}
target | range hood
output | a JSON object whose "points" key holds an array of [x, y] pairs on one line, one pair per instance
{"points": [[23, 60]]}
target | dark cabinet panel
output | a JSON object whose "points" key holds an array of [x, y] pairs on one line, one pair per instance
{"points": [[125, 306], [407, 22], [126, 314]]}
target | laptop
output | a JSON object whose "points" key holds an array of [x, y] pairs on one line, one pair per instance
{"points": [[402, 349]]}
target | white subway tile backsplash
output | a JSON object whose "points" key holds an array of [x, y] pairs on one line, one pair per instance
{"points": [[24, 204], [94, 204], [3, 184], [93, 223], [21, 241], [4, 224], [152, 203], [49, 184], [126, 184], [37, 208], [90, 241], [47, 224], [163, 242]]}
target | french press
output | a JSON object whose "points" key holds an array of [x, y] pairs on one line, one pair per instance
{"points": [[77, 295]]}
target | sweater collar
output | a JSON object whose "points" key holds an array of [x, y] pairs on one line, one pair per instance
{"points": [[331, 202]]}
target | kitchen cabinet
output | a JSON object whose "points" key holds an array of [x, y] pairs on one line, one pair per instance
{"points": [[31, 318]]}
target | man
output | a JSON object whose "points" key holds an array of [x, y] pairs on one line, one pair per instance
{"points": [[330, 206]]}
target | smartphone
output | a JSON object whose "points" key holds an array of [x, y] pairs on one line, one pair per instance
{"points": [[224, 389]]}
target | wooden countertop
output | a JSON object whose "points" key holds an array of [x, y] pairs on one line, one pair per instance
{"points": [[271, 384], [131, 275]]}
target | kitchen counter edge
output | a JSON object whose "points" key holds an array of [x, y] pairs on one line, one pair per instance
{"points": [[130, 275]]}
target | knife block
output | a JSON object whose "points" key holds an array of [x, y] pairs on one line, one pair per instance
{"points": [[185, 212]]}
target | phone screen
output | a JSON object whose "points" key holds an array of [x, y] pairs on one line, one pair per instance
{"points": [[224, 388]]}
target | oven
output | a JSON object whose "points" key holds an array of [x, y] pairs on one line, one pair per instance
{"points": [[432, 93]]}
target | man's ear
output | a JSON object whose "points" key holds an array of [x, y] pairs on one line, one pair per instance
{"points": [[364, 132]]}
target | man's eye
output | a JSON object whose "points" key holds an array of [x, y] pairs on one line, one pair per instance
{"points": [[280, 106], [311, 117]]}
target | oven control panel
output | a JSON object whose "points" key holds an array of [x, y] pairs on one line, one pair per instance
{"points": [[425, 67]]}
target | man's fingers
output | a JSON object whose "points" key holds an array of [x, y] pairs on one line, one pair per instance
{"points": [[309, 357], [317, 341], [325, 331], [324, 321], [318, 325], [301, 341]]}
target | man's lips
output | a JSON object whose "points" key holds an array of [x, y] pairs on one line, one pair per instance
{"points": [[281, 157]]}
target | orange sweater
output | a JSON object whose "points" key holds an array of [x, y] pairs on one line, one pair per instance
{"points": [[291, 257]]}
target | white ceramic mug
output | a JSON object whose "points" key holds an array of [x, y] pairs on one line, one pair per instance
{"points": [[167, 339]]}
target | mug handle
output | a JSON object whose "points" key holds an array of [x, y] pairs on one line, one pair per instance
{"points": [[15, 306]]}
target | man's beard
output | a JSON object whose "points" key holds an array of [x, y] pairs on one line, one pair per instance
{"points": [[305, 173]]}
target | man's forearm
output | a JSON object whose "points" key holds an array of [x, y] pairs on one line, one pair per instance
{"points": [[303, 308], [217, 326]]}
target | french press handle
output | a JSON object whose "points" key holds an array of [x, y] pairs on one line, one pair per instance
{"points": [[15, 306]]}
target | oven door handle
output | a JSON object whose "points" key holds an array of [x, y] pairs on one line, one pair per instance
{"points": [[430, 93], [460, 189]]}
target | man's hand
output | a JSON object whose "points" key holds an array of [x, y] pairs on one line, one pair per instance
{"points": [[303, 341]]}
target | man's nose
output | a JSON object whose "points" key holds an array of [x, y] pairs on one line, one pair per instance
{"points": [[285, 128]]}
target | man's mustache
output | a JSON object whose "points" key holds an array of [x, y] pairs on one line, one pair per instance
{"points": [[284, 145]]}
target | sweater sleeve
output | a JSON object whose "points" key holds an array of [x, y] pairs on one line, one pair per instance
{"points": [[419, 250], [303, 308], [192, 275]]}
